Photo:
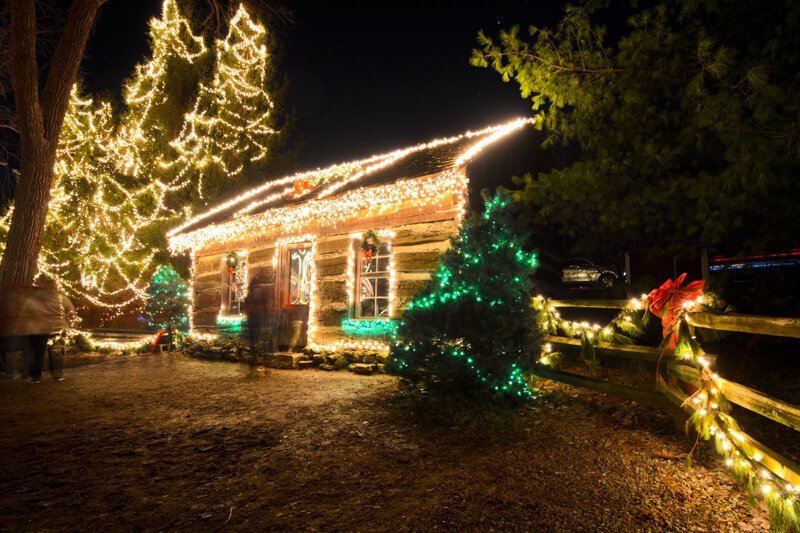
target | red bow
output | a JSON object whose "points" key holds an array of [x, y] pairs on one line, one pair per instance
{"points": [[368, 255], [302, 185], [667, 302]]}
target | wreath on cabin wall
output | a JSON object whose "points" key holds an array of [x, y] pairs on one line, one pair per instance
{"points": [[370, 243], [231, 262]]}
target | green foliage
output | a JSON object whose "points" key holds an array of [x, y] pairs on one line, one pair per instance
{"points": [[687, 121], [167, 301], [473, 329]]}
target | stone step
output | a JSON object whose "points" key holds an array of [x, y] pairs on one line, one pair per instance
{"points": [[362, 368], [305, 364], [284, 360]]}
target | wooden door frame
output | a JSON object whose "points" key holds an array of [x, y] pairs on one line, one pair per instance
{"points": [[282, 281]]}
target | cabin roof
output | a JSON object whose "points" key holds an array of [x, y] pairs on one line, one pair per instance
{"points": [[412, 162]]}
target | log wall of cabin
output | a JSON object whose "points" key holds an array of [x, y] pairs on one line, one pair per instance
{"points": [[207, 281], [421, 236]]}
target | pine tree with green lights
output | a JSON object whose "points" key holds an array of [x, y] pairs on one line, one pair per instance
{"points": [[473, 329], [167, 301]]}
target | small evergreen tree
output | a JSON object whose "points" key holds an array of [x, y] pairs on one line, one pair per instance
{"points": [[167, 300], [473, 329]]}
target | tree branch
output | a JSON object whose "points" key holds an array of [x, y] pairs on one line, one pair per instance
{"points": [[65, 63], [24, 69]]}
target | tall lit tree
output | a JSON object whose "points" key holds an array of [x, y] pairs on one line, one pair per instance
{"points": [[232, 122], [150, 96], [111, 200], [93, 243]]}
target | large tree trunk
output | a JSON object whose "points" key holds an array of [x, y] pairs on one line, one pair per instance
{"points": [[26, 233], [40, 123]]}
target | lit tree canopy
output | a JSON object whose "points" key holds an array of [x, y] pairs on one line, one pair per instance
{"points": [[232, 119], [148, 96], [180, 138], [686, 119]]}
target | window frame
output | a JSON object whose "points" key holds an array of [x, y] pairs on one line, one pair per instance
{"points": [[310, 253], [227, 300], [377, 275]]}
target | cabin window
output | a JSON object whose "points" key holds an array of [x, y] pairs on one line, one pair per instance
{"points": [[234, 283], [300, 276], [372, 290]]}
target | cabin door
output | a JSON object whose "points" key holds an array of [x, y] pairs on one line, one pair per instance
{"points": [[295, 272]]}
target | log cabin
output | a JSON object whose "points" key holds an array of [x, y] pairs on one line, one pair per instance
{"points": [[343, 250]]}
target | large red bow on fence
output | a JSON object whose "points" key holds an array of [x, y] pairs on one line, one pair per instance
{"points": [[667, 302]]}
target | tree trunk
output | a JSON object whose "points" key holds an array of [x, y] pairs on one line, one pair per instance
{"points": [[39, 125], [25, 236]]}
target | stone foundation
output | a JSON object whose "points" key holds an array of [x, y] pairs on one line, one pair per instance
{"points": [[236, 350]]}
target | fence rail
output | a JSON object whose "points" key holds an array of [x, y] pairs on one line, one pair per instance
{"points": [[673, 397], [755, 324], [625, 351]]}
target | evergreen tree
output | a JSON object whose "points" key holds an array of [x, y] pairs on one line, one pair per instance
{"points": [[473, 329], [153, 95], [233, 121], [167, 300], [92, 239], [685, 113]]}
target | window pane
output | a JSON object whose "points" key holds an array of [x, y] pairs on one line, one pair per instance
{"points": [[234, 277], [383, 249], [383, 306], [368, 308], [367, 288], [300, 276], [383, 287], [367, 266], [383, 264]]}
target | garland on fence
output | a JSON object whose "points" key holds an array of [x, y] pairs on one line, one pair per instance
{"points": [[711, 418], [628, 325]]}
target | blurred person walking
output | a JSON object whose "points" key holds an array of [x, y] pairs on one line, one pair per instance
{"points": [[29, 316], [257, 306]]}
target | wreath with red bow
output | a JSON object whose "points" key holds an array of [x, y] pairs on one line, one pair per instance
{"points": [[232, 261], [370, 243]]}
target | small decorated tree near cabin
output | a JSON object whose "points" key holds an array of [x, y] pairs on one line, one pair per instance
{"points": [[474, 329], [167, 301]]}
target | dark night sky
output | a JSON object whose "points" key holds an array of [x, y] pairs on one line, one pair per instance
{"points": [[363, 80]]}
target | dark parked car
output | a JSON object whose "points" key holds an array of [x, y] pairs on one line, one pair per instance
{"points": [[584, 272]]}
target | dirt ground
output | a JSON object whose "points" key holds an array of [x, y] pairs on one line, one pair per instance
{"points": [[167, 442]]}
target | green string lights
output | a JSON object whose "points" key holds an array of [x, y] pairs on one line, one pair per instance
{"points": [[231, 322], [167, 300], [369, 328], [474, 328]]}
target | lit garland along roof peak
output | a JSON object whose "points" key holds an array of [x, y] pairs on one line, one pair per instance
{"points": [[426, 159]]}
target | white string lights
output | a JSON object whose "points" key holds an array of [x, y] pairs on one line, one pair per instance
{"points": [[230, 120], [328, 210], [338, 175], [110, 194]]}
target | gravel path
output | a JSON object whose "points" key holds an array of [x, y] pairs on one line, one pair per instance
{"points": [[164, 441]]}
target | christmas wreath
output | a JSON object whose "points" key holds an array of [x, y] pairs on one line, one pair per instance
{"points": [[232, 261], [370, 243]]}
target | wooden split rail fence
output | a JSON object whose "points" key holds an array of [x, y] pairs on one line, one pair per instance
{"points": [[673, 398]]}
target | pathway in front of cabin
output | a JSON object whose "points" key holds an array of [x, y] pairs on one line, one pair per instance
{"points": [[165, 441]]}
